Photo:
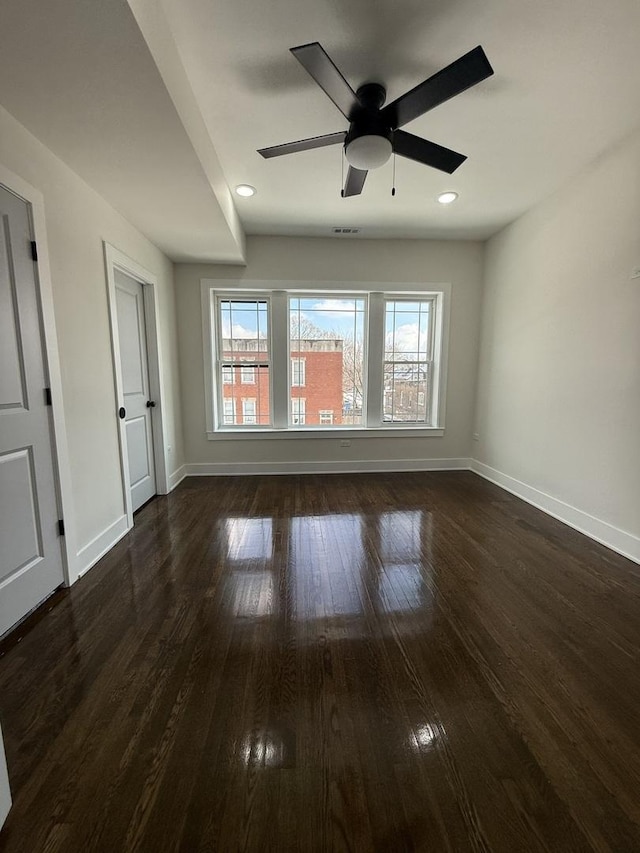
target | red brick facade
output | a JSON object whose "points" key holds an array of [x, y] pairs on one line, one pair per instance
{"points": [[316, 385]]}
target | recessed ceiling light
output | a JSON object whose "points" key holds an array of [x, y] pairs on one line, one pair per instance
{"points": [[245, 190], [447, 198]]}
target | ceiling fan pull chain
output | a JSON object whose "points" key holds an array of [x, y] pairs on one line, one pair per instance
{"points": [[342, 176], [393, 182]]}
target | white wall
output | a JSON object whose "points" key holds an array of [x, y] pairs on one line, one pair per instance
{"points": [[559, 374], [77, 221], [336, 260]]}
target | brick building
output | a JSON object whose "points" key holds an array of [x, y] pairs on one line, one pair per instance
{"points": [[405, 396], [316, 371]]}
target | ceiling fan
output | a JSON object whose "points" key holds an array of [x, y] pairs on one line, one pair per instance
{"points": [[373, 132]]}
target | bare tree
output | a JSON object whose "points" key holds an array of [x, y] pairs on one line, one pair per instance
{"points": [[353, 368], [301, 328]]}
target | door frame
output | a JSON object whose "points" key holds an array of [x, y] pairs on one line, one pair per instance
{"points": [[114, 260], [44, 292]]}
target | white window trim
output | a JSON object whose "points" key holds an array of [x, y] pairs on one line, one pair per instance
{"points": [[279, 382]]}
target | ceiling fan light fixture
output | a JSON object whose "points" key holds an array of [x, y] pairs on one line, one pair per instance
{"points": [[447, 198], [245, 190], [369, 151]]}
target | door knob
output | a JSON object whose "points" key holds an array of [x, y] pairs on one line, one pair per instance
{"points": [[150, 404], [122, 412]]}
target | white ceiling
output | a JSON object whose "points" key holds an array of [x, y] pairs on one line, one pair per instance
{"points": [[565, 89], [80, 77]]}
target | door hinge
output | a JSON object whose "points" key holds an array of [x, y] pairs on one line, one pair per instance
{"points": [[34, 250], [60, 527], [47, 397]]}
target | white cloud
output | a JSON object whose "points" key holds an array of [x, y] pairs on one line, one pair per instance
{"points": [[328, 306], [407, 339], [238, 330]]}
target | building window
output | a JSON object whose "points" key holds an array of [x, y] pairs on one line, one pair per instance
{"points": [[297, 372], [248, 410], [369, 360], [298, 410], [229, 412], [248, 375]]}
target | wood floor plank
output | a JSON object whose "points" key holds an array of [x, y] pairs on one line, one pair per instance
{"points": [[378, 662]]}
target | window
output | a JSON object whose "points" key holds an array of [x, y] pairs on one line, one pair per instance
{"points": [[248, 410], [229, 413], [243, 352], [407, 360], [248, 375], [297, 372], [326, 344], [298, 410], [363, 360]]}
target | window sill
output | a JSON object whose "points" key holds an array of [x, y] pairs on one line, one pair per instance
{"points": [[329, 432]]}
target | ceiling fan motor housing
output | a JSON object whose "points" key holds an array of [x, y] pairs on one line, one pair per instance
{"points": [[368, 143], [372, 95]]}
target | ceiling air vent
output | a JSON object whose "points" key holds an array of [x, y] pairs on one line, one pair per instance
{"points": [[346, 231]]}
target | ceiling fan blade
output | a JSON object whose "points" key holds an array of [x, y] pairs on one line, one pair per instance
{"points": [[455, 78], [355, 182], [415, 148], [303, 144], [317, 62]]}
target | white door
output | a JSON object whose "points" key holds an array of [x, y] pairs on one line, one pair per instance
{"points": [[30, 554], [5, 793], [137, 403]]}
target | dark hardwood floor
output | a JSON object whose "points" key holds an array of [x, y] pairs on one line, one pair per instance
{"points": [[401, 662]]}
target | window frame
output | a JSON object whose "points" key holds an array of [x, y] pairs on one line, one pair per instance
{"points": [[217, 425], [429, 360], [276, 294]]}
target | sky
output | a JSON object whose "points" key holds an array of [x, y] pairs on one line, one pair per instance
{"points": [[406, 326]]}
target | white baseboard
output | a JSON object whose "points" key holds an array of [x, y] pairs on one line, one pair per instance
{"points": [[618, 540], [212, 469], [90, 553], [177, 477]]}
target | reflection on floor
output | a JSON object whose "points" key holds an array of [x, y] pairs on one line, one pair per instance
{"points": [[348, 662]]}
